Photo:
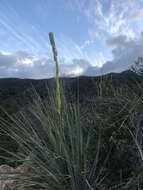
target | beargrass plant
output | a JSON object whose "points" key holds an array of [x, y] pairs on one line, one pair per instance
{"points": [[54, 143], [74, 146]]}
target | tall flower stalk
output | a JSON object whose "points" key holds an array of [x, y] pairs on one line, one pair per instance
{"points": [[55, 56]]}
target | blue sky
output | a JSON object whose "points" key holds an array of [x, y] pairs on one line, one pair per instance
{"points": [[92, 36]]}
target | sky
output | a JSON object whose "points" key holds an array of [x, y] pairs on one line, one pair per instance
{"points": [[93, 37]]}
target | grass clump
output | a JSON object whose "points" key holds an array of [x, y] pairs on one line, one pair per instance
{"points": [[59, 158], [53, 142]]}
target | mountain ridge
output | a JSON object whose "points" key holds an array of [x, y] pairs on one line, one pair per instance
{"points": [[14, 91]]}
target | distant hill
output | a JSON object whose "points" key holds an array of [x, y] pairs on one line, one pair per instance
{"points": [[14, 92]]}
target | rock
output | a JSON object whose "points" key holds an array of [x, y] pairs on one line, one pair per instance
{"points": [[6, 175], [8, 180], [24, 168]]}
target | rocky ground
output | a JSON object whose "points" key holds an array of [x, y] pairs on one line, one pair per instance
{"points": [[10, 177]]}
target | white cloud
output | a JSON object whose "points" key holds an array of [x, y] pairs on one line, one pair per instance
{"points": [[125, 52], [24, 65], [137, 15], [110, 17], [75, 67]]}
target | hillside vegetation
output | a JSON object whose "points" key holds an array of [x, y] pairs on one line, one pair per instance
{"points": [[15, 93], [96, 141]]}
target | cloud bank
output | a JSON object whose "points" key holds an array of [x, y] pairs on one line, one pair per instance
{"points": [[24, 65]]}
